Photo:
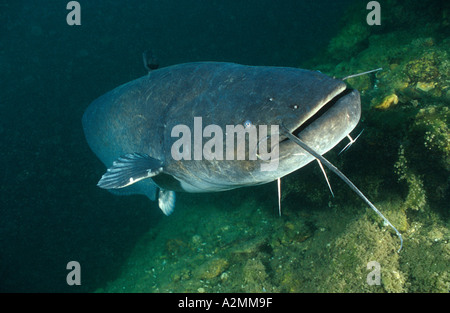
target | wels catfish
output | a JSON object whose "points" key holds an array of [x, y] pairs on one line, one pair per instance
{"points": [[135, 129]]}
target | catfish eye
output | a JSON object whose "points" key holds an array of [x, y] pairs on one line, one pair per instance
{"points": [[247, 124], [294, 106]]}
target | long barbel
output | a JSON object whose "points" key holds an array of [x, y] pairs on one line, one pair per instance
{"points": [[343, 177]]}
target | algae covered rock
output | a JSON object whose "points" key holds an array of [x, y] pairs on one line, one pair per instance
{"points": [[211, 269], [350, 39], [433, 124], [388, 102], [406, 154], [416, 197], [255, 276], [423, 69]]}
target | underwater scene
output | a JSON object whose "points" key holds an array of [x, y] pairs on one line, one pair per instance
{"points": [[305, 232]]}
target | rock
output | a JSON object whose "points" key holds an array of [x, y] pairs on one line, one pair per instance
{"points": [[387, 102], [425, 86], [211, 269]]}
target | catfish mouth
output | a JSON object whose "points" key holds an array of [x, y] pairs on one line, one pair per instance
{"points": [[323, 109]]}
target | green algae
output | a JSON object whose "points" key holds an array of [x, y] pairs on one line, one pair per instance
{"points": [[416, 198], [415, 73], [305, 250]]}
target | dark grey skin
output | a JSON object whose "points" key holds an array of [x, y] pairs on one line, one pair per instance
{"points": [[138, 118]]}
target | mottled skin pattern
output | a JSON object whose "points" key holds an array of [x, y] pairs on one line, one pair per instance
{"points": [[139, 117]]}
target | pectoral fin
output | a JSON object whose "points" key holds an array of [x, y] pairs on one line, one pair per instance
{"points": [[129, 169], [166, 201]]}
